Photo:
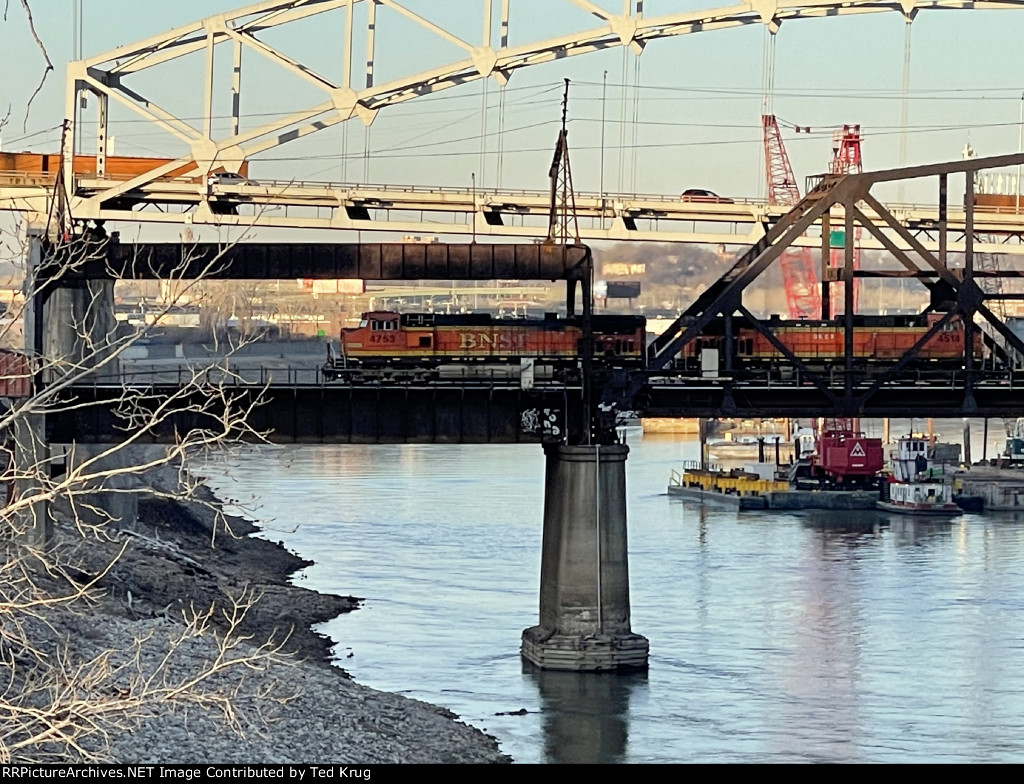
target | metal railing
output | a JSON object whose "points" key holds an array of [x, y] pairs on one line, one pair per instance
{"points": [[183, 375], [481, 197], [22, 179]]}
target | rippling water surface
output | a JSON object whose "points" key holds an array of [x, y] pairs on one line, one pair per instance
{"points": [[811, 636]]}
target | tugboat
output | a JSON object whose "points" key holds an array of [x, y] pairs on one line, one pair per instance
{"points": [[918, 483]]}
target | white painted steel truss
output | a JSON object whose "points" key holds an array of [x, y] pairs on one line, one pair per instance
{"points": [[165, 195], [107, 75]]}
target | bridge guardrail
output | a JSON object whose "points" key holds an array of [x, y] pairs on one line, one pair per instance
{"points": [[284, 377], [484, 197], [22, 179]]}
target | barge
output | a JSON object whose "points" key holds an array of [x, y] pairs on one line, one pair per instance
{"points": [[748, 488]]}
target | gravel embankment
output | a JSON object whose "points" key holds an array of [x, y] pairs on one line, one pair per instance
{"points": [[292, 708]]}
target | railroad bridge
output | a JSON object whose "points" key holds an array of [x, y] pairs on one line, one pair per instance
{"points": [[584, 598], [585, 477], [303, 406]]}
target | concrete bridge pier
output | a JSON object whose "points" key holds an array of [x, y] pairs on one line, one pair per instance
{"points": [[584, 584], [80, 329]]}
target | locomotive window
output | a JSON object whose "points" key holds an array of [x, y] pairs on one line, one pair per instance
{"points": [[425, 341]]}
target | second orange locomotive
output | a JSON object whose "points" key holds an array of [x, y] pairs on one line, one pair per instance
{"points": [[877, 341]]}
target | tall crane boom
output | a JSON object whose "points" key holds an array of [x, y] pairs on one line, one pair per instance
{"points": [[803, 298], [782, 188], [846, 160]]}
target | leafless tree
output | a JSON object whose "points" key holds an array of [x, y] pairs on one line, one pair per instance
{"points": [[58, 700], [232, 307], [66, 691]]}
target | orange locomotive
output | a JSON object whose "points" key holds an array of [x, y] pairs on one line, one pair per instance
{"points": [[424, 340], [880, 340]]}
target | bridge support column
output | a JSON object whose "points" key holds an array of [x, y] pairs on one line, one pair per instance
{"points": [[81, 333], [584, 591]]}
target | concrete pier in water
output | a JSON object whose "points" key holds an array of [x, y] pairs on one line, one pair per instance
{"points": [[584, 592]]}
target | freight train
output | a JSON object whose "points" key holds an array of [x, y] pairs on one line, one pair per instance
{"points": [[434, 345], [461, 344], [878, 342]]}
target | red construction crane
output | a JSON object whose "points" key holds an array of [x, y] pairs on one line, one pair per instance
{"points": [[803, 298], [846, 160], [843, 455]]}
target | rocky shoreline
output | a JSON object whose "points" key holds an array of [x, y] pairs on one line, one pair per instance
{"points": [[280, 703]]}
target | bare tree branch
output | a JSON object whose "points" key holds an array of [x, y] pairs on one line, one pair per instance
{"points": [[46, 57], [59, 702]]}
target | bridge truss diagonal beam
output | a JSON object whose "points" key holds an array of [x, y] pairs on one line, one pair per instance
{"points": [[107, 74], [837, 197]]}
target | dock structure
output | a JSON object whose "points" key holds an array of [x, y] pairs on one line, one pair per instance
{"points": [[741, 490], [1000, 489]]}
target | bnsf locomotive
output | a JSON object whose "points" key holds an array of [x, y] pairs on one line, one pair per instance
{"points": [[878, 341], [428, 341]]}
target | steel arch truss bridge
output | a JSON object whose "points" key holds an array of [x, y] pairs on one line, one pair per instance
{"points": [[369, 38]]}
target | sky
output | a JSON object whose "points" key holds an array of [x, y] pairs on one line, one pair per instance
{"points": [[697, 120]]}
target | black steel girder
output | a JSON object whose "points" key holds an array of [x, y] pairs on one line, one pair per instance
{"points": [[110, 258], [330, 413]]}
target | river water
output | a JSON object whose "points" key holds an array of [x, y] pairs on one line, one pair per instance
{"points": [[775, 637]]}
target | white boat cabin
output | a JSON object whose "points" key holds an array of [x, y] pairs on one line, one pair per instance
{"points": [[920, 482], [917, 459], [1014, 449]]}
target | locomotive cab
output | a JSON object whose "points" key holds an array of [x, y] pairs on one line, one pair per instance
{"points": [[378, 331], [380, 322]]}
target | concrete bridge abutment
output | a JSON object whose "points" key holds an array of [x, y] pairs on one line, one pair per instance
{"points": [[584, 592]]}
